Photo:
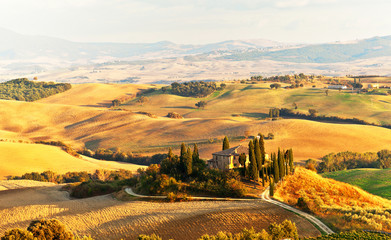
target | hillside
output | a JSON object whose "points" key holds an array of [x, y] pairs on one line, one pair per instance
{"points": [[341, 205], [80, 117], [375, 181], [105, 217], [19, 158]]}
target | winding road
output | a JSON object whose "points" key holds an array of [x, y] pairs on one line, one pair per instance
{"points": [[266, 197]]}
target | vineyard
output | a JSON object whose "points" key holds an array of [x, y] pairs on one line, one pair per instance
{"points": [[104, 217]]}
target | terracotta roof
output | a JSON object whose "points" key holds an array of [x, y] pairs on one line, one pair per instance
{"points": [[232, 151]]}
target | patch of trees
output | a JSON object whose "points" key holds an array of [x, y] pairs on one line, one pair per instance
{"points": [[201, 104], [73, 177], [42, 229], [194, 89], [24, 90], [351, 160], [275, 85], [270, 170], [120, 156], [187, 173], [174, 115]]}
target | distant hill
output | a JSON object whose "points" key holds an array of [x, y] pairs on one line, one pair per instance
{"points": [[323, 53]]}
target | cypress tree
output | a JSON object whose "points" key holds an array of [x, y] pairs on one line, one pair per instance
{"points": [[281, 164], [253, 164], [242, 161], [182, 158], [257, 151], [262, 148], [291, 161], [276, 169], [170, 154], [188, 162], [196, 155], [271, 188], [225, 143]]}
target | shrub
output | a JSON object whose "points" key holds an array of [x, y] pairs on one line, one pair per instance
{"points": [[17, 234], [174, 115], [149, 237], [49, 229]]}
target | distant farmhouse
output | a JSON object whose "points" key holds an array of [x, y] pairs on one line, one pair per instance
{"points": [[339, 87], [229, 158], [371, 86]]}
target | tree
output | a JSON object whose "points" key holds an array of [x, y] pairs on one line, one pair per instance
{"points": [[290, 156], [201, 104], [182, 164], [196, 155], [281, 164], [115, 103], [17, 234], [225, 143], [253, 169], [242, 161], [327, 92], [312, 112], [276, 168], [275, 85], [49, 230], [142, 100], [271, 188], [188, 162]]}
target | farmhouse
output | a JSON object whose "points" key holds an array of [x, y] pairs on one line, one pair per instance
{"points": [[229, 158], [337, 87]]}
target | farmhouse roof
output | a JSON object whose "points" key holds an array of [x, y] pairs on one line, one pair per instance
{"points": [[232, 151]]}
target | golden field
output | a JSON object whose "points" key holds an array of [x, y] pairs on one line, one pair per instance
{"points": [[80, 117], [104, 217], [19, 158]]}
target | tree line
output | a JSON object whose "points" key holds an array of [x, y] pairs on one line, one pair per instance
{"points": [[285, 112], [351, 160], [195, 89], [24, 90]]}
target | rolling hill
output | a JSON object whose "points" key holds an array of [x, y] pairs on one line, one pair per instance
{"points": [[17, 159], [375, 181], [79, 117]]}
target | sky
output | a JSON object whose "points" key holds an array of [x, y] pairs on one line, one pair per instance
{"points": [[198, 21]]}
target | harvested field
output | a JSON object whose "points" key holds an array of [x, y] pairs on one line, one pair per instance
{"points": [[107, 218]]}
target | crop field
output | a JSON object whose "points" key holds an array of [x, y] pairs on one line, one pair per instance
{"points": [[375, 181], [104, 217]]}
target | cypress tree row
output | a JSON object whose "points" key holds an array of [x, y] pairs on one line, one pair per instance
{"points": [[225, 143], [281, 165]]}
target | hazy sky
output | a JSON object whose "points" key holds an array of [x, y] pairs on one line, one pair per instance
{"points": [[201, 21]]}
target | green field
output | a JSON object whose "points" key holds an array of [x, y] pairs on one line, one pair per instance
{"points": [[255, 100], [375, 181]]}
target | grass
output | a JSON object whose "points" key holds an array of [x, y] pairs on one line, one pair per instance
{"points": [[375, 181], [343, 206]]}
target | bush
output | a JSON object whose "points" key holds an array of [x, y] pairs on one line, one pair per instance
{"points": [[49, 229], [149, 237], [174, 115], [94, 188], [193, 89], [17, 234]]}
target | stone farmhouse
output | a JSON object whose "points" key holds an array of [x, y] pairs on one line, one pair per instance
{"points": [[229, 158]]}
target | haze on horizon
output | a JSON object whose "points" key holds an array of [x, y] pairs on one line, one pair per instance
{"points": [[198, 22]]}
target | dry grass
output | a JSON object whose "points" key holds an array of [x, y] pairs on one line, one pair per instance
{"points": [[19, 158], [342, 205], [106, 218]]}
